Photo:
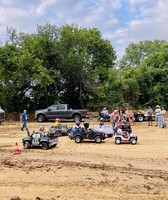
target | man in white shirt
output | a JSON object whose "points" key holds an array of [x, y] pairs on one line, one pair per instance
{"points": [[157, 112], [105, 113]]}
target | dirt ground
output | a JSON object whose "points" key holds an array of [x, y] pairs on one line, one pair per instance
{"points": [[84, 171]]}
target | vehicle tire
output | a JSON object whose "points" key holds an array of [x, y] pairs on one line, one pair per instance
{"points": [[98, 139], [27, 145], [118, 141], [78, 139], [133, 141], [40, 118], [58, 133], [76, 118], [44, 146], [140, 118]]}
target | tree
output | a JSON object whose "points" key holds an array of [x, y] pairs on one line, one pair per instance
{"points": [[153, 78], [84, 59], [136, 53]]}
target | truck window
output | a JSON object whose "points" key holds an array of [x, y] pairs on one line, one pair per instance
{"points": [[53, 108], [60, 107]]}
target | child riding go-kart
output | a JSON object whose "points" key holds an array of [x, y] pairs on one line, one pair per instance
{"points": [[123, 134]]}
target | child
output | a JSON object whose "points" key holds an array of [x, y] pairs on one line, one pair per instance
{"points": [[57, 122]]}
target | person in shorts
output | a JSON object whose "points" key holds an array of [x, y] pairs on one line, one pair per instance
{"points": [[149, 114]]}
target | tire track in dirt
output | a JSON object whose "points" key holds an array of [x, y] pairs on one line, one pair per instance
{"points": [[32, 164]]}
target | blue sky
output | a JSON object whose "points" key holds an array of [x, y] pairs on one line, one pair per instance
{"points": [[120, 21]]}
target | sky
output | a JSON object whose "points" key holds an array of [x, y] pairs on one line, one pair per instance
{"points": [[120, 21]]}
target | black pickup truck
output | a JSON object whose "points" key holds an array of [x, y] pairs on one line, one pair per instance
{"points": [[61, 111]]}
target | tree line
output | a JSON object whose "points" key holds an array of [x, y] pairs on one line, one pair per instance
{"points": [[75, 65]]}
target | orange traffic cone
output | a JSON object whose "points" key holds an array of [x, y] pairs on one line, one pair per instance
{"points": [[16, 151]]}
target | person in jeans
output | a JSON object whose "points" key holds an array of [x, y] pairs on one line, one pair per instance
{"points": [[113, 119], [149, 114], [24, 121], [157, 112], [163, 118], [105, 113]]}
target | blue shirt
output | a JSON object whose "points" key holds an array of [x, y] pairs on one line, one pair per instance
{"points": [[24, 117]]}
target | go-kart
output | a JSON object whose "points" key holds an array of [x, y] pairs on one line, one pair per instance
{"points": [[39, 139], [79, 134], [58, 130], [126, 137]]}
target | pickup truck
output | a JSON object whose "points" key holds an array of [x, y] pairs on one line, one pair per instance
{"points": [[62, 111], [2, 115], [140, 117]]}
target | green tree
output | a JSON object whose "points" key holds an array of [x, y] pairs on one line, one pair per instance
{"points": [[153, 79], [136, 53]]}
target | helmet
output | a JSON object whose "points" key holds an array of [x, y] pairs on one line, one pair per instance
{"points": [[86, 124], [57, 120], [41, 128]]}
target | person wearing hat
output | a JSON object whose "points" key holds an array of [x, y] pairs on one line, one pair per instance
{"points": [[42, 131], [23, 118], [105, 113], [157, 112]]}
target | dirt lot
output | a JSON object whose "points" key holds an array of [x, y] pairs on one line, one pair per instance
{"points": [[85, 171]]}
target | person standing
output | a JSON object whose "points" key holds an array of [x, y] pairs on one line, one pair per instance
{"points": [[149, 114], [157, 112], [24, 121], [163, 118], [127, 114], [131, 118], [113, 119]]}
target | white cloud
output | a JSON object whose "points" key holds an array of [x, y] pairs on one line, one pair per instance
{"points": [[120, 21]]}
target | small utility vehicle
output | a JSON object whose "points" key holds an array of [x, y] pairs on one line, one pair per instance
{"points": [[58, 130], [39, 139], [123, 134], [80, 134]]}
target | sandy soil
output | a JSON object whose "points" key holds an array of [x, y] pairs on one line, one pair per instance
{"points": [[84, 171]]}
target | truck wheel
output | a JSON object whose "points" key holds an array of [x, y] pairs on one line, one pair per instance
{"points": [[27, 145], [40, 118], [140, 118], [44, 146], [58, 133], [118, 141], [133, 141], [78, 139], [98, 139], [76, 118]]}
